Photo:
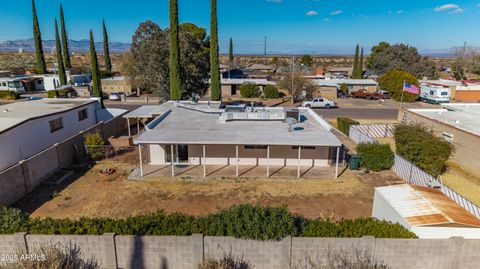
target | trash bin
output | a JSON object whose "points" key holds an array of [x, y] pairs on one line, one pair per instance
{"points": [[355, 162]]}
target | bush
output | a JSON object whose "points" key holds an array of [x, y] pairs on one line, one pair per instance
{"points": [[420, 146], [344, 124], [227, 262], [94, 143], [376, 157], [9, 95], [249, 90], [393, 81], [270, 91], [57, 93], [344, 89], [243, 221]]}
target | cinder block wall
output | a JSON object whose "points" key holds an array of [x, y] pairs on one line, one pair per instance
{"points": [[187, 252]]}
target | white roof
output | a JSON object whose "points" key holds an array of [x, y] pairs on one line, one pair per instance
{"points": [[181, 125], [114, 79], [339, 82], [17, 113], [461, 116], [239, 81]]}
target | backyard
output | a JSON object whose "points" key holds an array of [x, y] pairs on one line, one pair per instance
{"points": [[92, 194]]}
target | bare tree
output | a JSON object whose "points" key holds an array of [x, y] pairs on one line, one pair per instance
{"points": [[467, 62], [297, 86]]}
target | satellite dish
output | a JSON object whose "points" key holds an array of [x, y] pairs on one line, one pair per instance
{"points": [[291, 122]]}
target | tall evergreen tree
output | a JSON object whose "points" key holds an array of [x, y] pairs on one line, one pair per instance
{"points": [[360, 66], [355, 62], [37, 36], [96, 80], [58, 47], [230, 52], [106, 49], [175, 78], [216, 87], [65, 49]]}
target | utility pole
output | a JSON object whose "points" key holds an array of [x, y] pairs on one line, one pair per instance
{"points": [[293, 79], [265, 51]]}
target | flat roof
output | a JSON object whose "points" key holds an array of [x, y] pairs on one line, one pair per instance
{"points": [[182, 125], [14, 114], [239, 81], [330, 82], [422, 206], [461, 116]]}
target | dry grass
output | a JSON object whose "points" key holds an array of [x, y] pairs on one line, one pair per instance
{"points": [[462, 181]]}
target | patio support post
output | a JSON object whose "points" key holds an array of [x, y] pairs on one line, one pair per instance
{"points": [[236, 161], [171, 160], [128, 125], [338, 160], [344, 156], [204, 163], [268, 161], [299, 157], [141, 161], [138, 126]]}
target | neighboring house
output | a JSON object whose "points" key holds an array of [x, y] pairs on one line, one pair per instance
{"points": [[116, 84], [328, 88], [11, 84], [456, 123], [28, 127], [258, 71], [204, 133], [231, 87], [232, 73], [425, 211], [340, 71]]}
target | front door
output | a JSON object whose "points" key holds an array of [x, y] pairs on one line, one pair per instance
{"points": [[182, 153], [179, 154]]}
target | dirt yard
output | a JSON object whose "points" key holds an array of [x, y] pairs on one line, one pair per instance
{"points": [[94, 195]]}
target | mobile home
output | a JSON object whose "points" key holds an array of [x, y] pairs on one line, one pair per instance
{"points": [[435, 95]]}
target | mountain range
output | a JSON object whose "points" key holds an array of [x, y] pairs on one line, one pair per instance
{"points": [[77, 46]]}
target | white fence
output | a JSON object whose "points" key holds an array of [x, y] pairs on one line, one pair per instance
{"points": [[358, 136], [414, 175]]}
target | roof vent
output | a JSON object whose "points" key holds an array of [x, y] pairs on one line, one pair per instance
{"points": [[7, 110]]}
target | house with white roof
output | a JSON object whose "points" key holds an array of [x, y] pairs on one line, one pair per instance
{"points": [[211, 134]]}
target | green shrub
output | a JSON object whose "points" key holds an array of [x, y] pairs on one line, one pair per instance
{"points": [[249, 90], [393, 81], [420, 146], [344, 124], [376, 157], [242, 221], [57, 93], [94, 143], [9, 95], [344, 88], [270, 91]]}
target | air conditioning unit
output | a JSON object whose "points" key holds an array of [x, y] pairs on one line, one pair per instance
{"points": [[447, 137]]}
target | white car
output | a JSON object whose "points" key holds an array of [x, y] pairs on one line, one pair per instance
{"points": [[319, 103], [115, 96]]}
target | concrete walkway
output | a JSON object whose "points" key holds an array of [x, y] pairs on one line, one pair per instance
{"points": [[215, 171]]}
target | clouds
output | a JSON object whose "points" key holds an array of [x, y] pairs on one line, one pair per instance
{"points": [[311, 13], [449, 8], [336, 12]]}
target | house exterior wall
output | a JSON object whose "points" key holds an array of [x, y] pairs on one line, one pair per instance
{"points": [[467, 145], [326, 92], [226, 155], [467, 96], [109, 86], [34, 136]]}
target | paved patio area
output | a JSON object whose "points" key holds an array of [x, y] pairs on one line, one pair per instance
{"points": [[229, 171]]}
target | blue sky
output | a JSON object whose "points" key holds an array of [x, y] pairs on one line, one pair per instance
{"points": [[292, 26]]}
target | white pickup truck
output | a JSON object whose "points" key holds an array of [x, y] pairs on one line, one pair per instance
{"points": [[319, 103]]}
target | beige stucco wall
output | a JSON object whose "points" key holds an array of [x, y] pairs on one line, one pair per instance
{"points": [[226, 155], [109, 86], [467, 145]]}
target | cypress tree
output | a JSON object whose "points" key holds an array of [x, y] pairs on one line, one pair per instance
{"points": [[66, 50], [355, 62], [58, 48], [215, 91], [175, 79], [230, 52], [360, 65], [106, 50], [96, 81], [37, 36]]}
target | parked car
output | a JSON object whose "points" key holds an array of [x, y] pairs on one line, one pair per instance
{"points": [[319, 103], [383, 94], [115, 96]]}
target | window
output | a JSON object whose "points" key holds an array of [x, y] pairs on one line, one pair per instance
{"points": [[255, 147], [82, 114], [4, 84], [306, 148], [56, 124], [444, 93]]}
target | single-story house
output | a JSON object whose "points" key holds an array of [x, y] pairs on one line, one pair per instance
{"points": [[207, 133], [329, 88], [29, 127], [231, 87], [427, 212], [340, 71], [117, 84]]}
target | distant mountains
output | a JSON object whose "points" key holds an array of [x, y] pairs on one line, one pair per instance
{"points": [[78, 46]]}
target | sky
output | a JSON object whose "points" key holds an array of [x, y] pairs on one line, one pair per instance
{"points": [[291, 26]]}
